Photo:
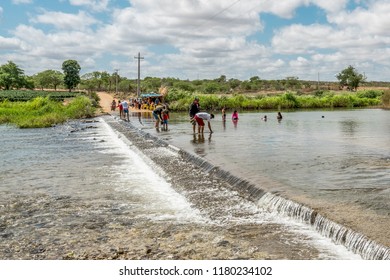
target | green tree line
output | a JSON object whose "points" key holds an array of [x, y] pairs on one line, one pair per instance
{"points": [[13, 77]]}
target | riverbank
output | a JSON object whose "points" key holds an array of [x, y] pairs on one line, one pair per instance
{"points": [[43, 112]]}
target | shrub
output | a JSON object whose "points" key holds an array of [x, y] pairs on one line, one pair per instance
{"points": [[386, 99], [370, 93]]}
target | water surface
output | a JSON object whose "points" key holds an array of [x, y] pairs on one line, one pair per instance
{"points": [[335, 161]]}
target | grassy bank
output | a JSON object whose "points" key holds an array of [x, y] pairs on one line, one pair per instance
{"points": [[180, 100], [44, 112]]}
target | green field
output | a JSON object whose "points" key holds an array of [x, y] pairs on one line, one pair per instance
{"points": [[26, 95]]}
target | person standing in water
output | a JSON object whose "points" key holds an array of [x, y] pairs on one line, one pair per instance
{"points": [[235, 115], [125, 108], [279, 116], [223, 114], [165, 118], [120, 106], [194, 109]]}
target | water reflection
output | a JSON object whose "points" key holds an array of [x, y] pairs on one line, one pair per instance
{"points": [[198, 141], [349, 127], [139, 115]]}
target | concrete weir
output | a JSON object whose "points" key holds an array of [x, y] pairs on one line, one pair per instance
{"points": [[339, 234]]}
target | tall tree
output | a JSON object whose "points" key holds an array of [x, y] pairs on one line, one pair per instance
{"points": [[71, 70], [48, 78], [350, 78], [11, 76]]}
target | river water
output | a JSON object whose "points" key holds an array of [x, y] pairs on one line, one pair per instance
{"points": [[336, 162], [335, 155], [73, 187]]}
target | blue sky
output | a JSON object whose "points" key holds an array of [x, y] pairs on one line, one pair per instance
{"points": [[200, 39]]}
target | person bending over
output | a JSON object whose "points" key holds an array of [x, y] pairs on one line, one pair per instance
{"points": [[200, 118]]}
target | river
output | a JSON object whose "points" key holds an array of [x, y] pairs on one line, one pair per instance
{"points": [[98, 190]]}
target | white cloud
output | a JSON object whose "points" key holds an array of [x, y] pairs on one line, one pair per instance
{"points": [[95, 5], [333, 6], [10, 43], [373, 21], [64, 20], [204, 38], [22, 1], [360, 28]]}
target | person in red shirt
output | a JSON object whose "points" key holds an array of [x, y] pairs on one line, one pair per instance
{"points": [[165, 118], [120, 106]]}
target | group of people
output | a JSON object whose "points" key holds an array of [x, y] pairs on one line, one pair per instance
{"points": [[198, 118], [161, 115], [234, 115], [279, 117], [123, 109]]}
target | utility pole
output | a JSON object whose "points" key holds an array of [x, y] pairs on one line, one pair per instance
{"points": [[139, 57], [318, 81], [116, 81]]}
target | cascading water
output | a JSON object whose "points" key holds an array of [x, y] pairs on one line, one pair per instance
{"points": [[356, 242]]}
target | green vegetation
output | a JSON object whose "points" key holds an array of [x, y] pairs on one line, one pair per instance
{"points": [[26, 95], [179, 100], [44, 112], [12, 76], [48, 79], [44, 108], [386, 99], [71, 70], [350, 78]]}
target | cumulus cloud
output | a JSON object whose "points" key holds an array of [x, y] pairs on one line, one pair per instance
{"points": [[360, 27], [65, 20], [10, 43], [95, 5], [201, 28], [374, 20], [206, 38], [333, 6], [282, 8]]}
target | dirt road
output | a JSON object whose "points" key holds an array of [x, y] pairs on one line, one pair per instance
{"points": [[105, 101]]}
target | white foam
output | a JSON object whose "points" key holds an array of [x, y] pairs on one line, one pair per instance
{"points": [[137, 175]]}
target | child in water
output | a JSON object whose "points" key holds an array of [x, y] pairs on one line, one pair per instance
{"points": [[235, 115], [165, 118], [223, 114]]}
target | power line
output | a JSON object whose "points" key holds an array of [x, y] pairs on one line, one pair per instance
{"points": [[220, 12]]}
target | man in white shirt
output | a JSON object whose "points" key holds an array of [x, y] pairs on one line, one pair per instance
{"points": [[125, 107], [200, 118]]}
